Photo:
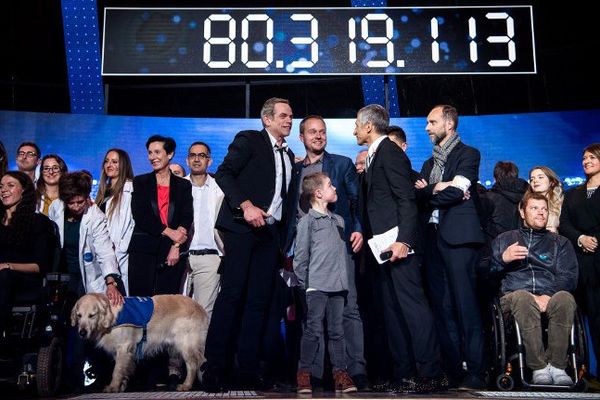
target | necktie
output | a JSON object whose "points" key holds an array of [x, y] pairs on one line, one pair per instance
{"points": [[368, 161], [281, 150]]}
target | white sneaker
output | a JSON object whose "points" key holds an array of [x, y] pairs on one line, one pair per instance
{"points": [[542, 376], [559, 376]]}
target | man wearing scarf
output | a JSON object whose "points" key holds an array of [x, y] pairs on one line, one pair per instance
{"points": [[453, 236]]}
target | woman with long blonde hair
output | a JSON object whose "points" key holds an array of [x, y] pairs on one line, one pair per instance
{"points": [[114, 199], [545, 181]]}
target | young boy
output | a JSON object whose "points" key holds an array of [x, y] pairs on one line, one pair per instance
{"points": [[320, 259]]}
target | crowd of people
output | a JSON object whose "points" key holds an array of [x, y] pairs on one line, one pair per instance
{"points": [[372, 262]]}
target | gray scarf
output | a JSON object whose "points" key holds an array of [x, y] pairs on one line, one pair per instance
{"points": [[440, 155]]}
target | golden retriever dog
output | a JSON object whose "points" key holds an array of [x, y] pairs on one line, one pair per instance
{"points": [[178, 325]]}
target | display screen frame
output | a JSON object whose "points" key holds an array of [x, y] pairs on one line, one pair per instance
{"points": [[123, 59]]}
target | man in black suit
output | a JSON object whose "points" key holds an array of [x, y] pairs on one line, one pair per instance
{"points": [[388, 203], [254, 176], [453, 237]]}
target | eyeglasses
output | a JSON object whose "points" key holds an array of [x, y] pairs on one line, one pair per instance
{"points": [[54, 168], [203, 156], [29, 154]]}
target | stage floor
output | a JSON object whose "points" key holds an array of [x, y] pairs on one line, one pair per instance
{"points": [[451, 394]]}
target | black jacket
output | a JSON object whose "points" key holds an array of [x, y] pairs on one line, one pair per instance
{"points": [[147, 235], [501, 204], [388, 198], [550, 267], [246, 173], [459, 220]]}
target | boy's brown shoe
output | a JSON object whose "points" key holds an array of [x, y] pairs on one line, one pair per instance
{"points": [[303, 382], [343, 382]]}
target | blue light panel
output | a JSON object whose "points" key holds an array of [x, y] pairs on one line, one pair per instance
{"points": [[82, 46]]}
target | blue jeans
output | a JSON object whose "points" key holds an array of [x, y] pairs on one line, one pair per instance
{"points": [[323, 305]]}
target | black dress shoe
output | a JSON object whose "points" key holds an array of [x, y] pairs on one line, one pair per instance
{"points": [[387, 387], [472, 382], [213, 380], [420, 385], [172, 382], [362, 383]]}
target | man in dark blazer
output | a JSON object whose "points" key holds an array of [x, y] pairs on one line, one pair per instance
{"points": [[154, 263], [254, 177], [453, 237], [341, 171], [389, 202]]}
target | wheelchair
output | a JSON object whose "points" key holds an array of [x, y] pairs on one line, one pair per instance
{"points": [[508, 353], [36, 337]]}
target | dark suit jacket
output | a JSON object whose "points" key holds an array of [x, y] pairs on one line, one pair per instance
{"points": [[459, 221], [389, 194], [146, 237], [246, 173], [581, 216], [342, 173]]}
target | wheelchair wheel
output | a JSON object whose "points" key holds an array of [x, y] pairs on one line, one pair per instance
{"points": [[498, 337], [49, 368], [505, 382]]}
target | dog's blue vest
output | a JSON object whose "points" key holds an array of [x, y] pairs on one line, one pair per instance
{"points": [[137, 312]]}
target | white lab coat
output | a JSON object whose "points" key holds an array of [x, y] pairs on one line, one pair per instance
{"points": [[120, 228], [96, 254]]}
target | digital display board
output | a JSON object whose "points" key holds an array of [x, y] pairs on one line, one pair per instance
{"points": [[318, 41]]}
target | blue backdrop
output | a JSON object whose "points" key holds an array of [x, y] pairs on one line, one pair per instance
{"points": [[553, 139]]}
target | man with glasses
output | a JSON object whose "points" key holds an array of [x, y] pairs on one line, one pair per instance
{"points": [[206, 247], [28, 159]]}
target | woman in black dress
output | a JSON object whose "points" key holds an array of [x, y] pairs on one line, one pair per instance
{"points": [[580, 222]]}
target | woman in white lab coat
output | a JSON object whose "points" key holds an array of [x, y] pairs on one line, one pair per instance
{"points": [[87, 251], [114, 199], [87, 254]]}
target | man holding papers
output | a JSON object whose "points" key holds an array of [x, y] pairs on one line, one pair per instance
{"points": [[388, 203]]}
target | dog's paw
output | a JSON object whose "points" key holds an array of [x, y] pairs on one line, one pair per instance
{"points": [[184, 388]]}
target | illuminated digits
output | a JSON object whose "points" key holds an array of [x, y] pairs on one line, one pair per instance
{"points": [[269, 47], [472, 43], [219, 41], [312, 40], [387, 40], [435, 46], [510, 33], [352, 36]]}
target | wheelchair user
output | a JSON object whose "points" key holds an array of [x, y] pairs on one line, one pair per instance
{"points": [[540, 269], [26, 243]]}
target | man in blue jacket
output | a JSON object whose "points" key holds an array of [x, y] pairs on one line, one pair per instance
{"points": [[540, 269], [341, 171]]}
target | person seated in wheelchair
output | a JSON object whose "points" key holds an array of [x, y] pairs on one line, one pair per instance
{"points": [[26, 243], [539, 270]]}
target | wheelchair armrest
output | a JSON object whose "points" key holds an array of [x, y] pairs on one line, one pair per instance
{"points": [[58, 277]]}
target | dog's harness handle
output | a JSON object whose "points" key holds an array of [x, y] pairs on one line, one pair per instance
{"points": [[139, 348]]}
